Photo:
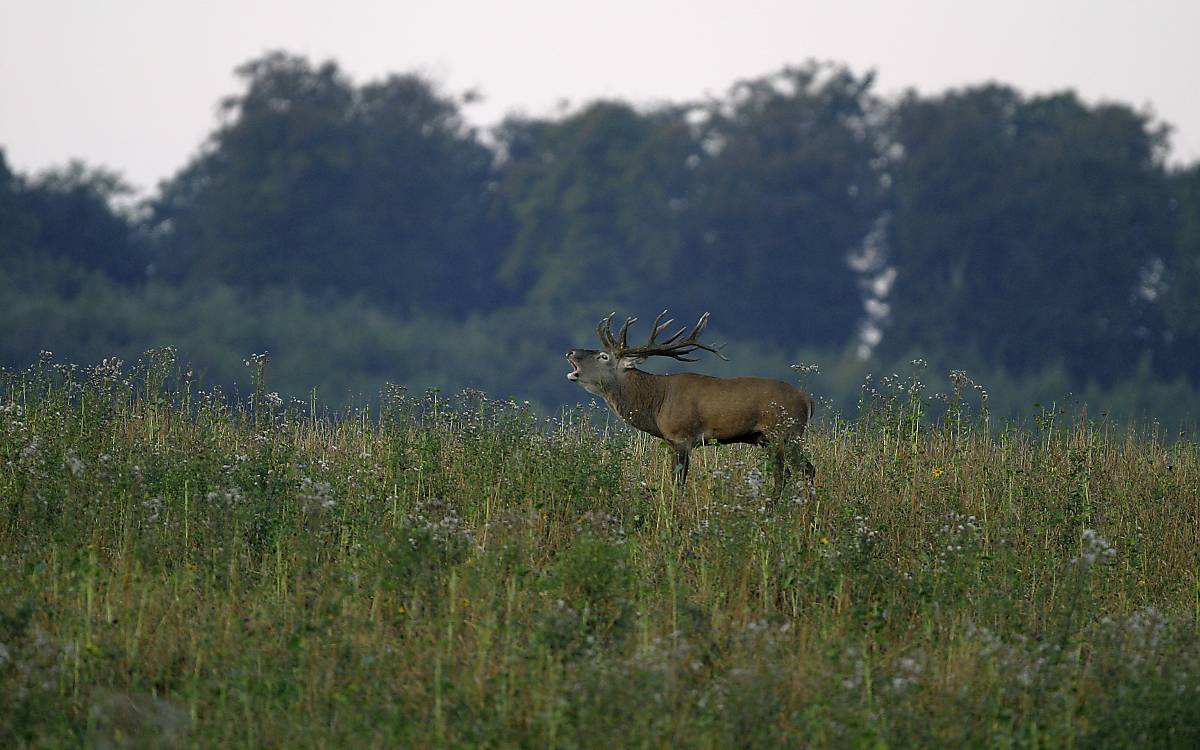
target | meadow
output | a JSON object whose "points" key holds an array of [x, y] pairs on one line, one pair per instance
{"points": [[184, 567]]}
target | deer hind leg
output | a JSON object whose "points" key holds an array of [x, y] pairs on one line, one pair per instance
{"points": [[783, 471], [810, 471]]}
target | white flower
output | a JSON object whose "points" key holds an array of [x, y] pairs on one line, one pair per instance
{"points": [[153, 507], [754, 482], [73, 463], [316, 495], [1095, 547]]}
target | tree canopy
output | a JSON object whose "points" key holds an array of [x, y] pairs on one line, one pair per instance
{"points": [[792, 185], [1013, 215], [380, 190]]}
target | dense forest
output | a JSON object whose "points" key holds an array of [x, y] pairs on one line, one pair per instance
{"points": [[365, 233]]}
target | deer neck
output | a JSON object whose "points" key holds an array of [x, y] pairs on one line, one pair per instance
{"points": [[636, 397]]}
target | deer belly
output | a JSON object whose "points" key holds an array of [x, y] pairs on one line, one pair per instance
{"points": [[753, 428], [733, 431], [753, 438]]}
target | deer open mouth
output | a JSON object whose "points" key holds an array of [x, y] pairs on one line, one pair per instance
{"points": [[574, 373]]}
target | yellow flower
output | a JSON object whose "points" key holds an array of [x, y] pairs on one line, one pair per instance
{"points": [[824, 540], [938, 471]]}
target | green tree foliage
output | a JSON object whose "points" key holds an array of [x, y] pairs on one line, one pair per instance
{"points": [[1027, 229], [380, 190], [68, 214], [1181, 303], [791, 186], [18, 227], [345, 348], [749, 207], [597, 200]]}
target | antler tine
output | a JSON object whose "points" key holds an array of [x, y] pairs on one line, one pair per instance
{"points": [[659, 327], [695, 334], [604, 332], [674, 337], [700, 326], [625, 333]]}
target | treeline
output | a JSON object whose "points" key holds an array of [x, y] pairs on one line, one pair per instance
{"points": [[366, 232]]}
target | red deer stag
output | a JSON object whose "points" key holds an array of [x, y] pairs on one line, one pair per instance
{"points": [[687, 409]]}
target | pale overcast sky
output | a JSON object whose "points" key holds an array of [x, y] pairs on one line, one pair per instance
{"points": [[133, 84]]}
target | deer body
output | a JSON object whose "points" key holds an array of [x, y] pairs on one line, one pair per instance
{"points": [[687, 410]]}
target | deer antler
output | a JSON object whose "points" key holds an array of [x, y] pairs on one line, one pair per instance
{"points": [[673, 346]]}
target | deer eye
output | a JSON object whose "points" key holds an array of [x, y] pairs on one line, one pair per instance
{"points": [[602, 356]]}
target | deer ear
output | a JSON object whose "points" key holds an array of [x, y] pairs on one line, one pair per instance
{"points": [[628, 363]]}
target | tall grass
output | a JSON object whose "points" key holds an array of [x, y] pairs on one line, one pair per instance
{"points": [[182, 568]]}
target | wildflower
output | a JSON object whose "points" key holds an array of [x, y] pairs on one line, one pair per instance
{"points": [[938, 471], [73, 463], [754, 482], [1146, 628], [863, 530], [230, 497], [601, 525], [1095, 548], [908, 673], [316, 495], [153, 508]]}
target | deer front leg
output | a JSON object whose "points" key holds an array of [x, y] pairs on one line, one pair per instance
{"points": [[683, 454]]}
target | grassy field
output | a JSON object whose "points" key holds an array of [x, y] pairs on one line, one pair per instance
{"points": [[178, 568]]}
